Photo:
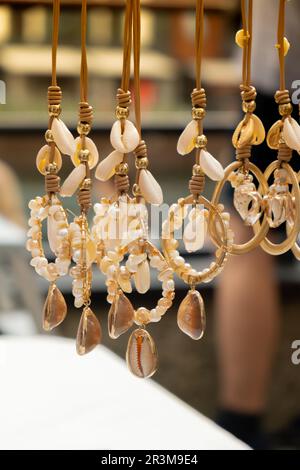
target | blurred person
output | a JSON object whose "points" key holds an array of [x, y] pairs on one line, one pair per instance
{"points": [[11, 204], [247, 321]]}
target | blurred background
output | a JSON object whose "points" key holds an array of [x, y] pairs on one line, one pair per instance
{"points": [[189, 369]]}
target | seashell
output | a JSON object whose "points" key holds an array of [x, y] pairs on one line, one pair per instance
{"points": [[63, 137], [89, 332], [91, 147], [273, 135], [141, 354], [195, 232], [187, 140], [240, 38], [73, 181], [52, 233], [286, 46], [120, 316], [150, 189], [211, 167], [291, 133], [55, 308], [91, 251], [142, 277], [106, 168], [259, 131], [42, 159], [191, 315], [128, 140], [243, 133], [247, 201]]}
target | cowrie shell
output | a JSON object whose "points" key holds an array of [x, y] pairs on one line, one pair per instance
{"points": [[187, 140], [291, 133], [91, 147], [211, 167], [63, 137], [273, 135], [42, 159], [150, 189], [73, 181], [127, 141], [243, 133], [106, 168]]}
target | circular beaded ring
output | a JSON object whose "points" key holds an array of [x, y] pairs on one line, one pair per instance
{"points": [[191, 313]]}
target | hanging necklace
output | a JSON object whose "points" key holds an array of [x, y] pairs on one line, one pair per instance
{"points": [[49, 161], [247, 200], [83, 247], [132, 243], [204, 216], [282, 203]]}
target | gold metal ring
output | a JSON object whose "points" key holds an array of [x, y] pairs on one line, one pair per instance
{"points": [[281, 248], [239, 249]]}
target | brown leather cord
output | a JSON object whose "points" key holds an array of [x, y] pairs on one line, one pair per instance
{"points": [[127, 46], [85, 112], [247, 22], [141, 150], [280, 42], [197, 185], [52, 183], [55, 33], [243, 154], [284, 153], [54, 97], [199, 40], [198, 95]]}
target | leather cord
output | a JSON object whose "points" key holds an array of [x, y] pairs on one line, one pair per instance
{"points": [[280, 42], [84, 67], [247, 21], [127, 46], [199, 40], [55, 33]]}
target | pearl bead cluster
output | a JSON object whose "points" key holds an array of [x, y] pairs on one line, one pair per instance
{"points": [[119, 277], [119, 223], [83, 251], [42, 208]]}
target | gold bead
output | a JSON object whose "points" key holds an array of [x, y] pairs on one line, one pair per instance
{"points": [[201, 141], [197, 171], [122, 169], [198, 113], [248, 106], [285, 109], [51, 168], [86, 184], [49, 136], [141, 163], [83, 128], [122, 113], [84, 155], [54, 110]]}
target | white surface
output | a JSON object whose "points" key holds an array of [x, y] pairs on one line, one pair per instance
{"points": [[53, 399]]}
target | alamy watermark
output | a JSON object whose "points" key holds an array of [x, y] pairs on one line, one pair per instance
{"points": [[295, 357], [296, 93]]}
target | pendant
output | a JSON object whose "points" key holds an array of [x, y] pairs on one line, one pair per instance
{"points": [[191, 315], [89, 332], [55, 308]]}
